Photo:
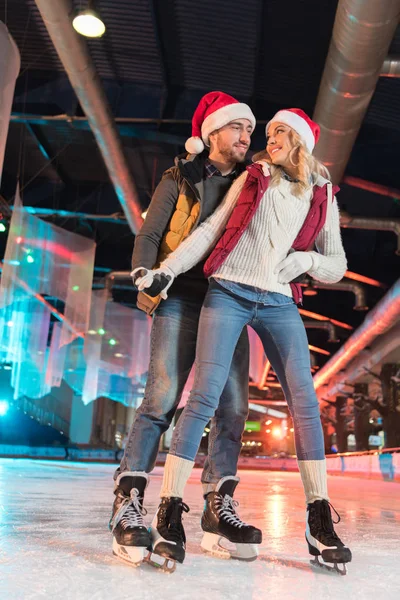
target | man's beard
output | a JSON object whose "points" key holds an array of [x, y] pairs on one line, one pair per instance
{"points": [[232, 154]]}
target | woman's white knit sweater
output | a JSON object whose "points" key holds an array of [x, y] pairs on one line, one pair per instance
{"points": [[266, 241]]}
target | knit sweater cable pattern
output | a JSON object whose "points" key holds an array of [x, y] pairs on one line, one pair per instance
{"points": [[266, 241]]}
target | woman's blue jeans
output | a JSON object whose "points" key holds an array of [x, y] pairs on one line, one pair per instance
{"points": [[277, 321], [173, 349]]}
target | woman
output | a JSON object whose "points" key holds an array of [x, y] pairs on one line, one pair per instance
{"points": [[266, 226]]}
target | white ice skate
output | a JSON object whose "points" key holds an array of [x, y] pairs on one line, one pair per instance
{"points": [[133, 555], [167, 535], [219, 546], [225, 534], [131, 538], [324, 545]]}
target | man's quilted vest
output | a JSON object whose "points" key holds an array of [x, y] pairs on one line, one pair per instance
{"points": [[182, 221], [249, 199]]}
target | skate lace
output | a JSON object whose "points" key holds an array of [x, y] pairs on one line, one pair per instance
{"points": [[226, 507], [326, 519], [173, 521], [130, 513]]}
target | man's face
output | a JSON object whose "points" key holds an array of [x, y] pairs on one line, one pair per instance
{"points": [[233, 140]]}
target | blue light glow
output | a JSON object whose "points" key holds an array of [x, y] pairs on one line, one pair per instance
{"points": [[3, 407]]}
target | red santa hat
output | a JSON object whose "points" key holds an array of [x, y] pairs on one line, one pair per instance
{"points": [[297, 119], [215, 110]]}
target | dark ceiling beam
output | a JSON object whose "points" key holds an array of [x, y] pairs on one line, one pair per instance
{"points": [[126, 128], [155, 17], [47, 151], [116, 219], [19, 117], [168, 45], [258, 56], [79, 66], [150, 135]]}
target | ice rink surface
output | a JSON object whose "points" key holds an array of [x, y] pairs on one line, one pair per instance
{"points": [[55, 542]]}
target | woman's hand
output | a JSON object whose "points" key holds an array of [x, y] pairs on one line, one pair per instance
{"points": [[154, 282], [295, 264]]}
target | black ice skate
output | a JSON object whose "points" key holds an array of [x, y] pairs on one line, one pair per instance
{"points": [[221, 521], [168, 535], [131, 536], [322, 540]]}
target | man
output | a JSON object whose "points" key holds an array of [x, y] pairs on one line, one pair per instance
{"points": [[188, 193]]}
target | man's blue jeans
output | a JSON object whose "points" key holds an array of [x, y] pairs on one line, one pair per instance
{"points": [[173, 348], [277, 321]]}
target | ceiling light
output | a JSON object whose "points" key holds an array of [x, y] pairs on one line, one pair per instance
{"points": [[88, 23]]}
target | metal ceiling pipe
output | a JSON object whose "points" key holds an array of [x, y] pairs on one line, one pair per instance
{"points": [[366, 280], [74, 55], [10, 63], [318, 317], [382, 224], [360, 42], [326, 325], [380, 319], [391, 67], [344, 286], [369, 186], [367, 359]]}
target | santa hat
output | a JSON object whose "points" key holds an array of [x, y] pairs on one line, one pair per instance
{"points": [[215, 110], [297, 119]]}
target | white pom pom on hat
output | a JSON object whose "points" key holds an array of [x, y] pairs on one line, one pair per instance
{"points": [[194, 145], [215, 110]]}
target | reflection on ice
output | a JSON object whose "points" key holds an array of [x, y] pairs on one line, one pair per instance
{"points": [[55, 542]]}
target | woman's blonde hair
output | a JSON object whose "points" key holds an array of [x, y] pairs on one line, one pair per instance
{"points": [[304, 162]]}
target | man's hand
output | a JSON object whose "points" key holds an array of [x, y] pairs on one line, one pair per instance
{"points": [[292, 266], [155, 282], [137, 274]]}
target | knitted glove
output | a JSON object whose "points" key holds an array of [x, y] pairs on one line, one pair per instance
{"points": [[156, 282], [293, 265], [138, 273]]}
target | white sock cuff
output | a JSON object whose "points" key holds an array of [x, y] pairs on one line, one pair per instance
{"points": [[314, 477], [211, 487], [131, 474], [176, 473]]}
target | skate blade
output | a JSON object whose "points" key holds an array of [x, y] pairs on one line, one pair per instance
{"points": [[132, 555], [339, 568], [167, 565], [246, 552], [212, 544]]}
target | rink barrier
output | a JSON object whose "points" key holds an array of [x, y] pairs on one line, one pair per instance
{"points": [[17, 451], [58, 452], [383, 465], [264, 463]]}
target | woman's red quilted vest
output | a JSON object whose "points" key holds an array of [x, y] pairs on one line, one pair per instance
{"points": [[249, 199]]}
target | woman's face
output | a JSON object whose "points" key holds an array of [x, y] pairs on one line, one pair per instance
{"points": [[279, 144]]}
